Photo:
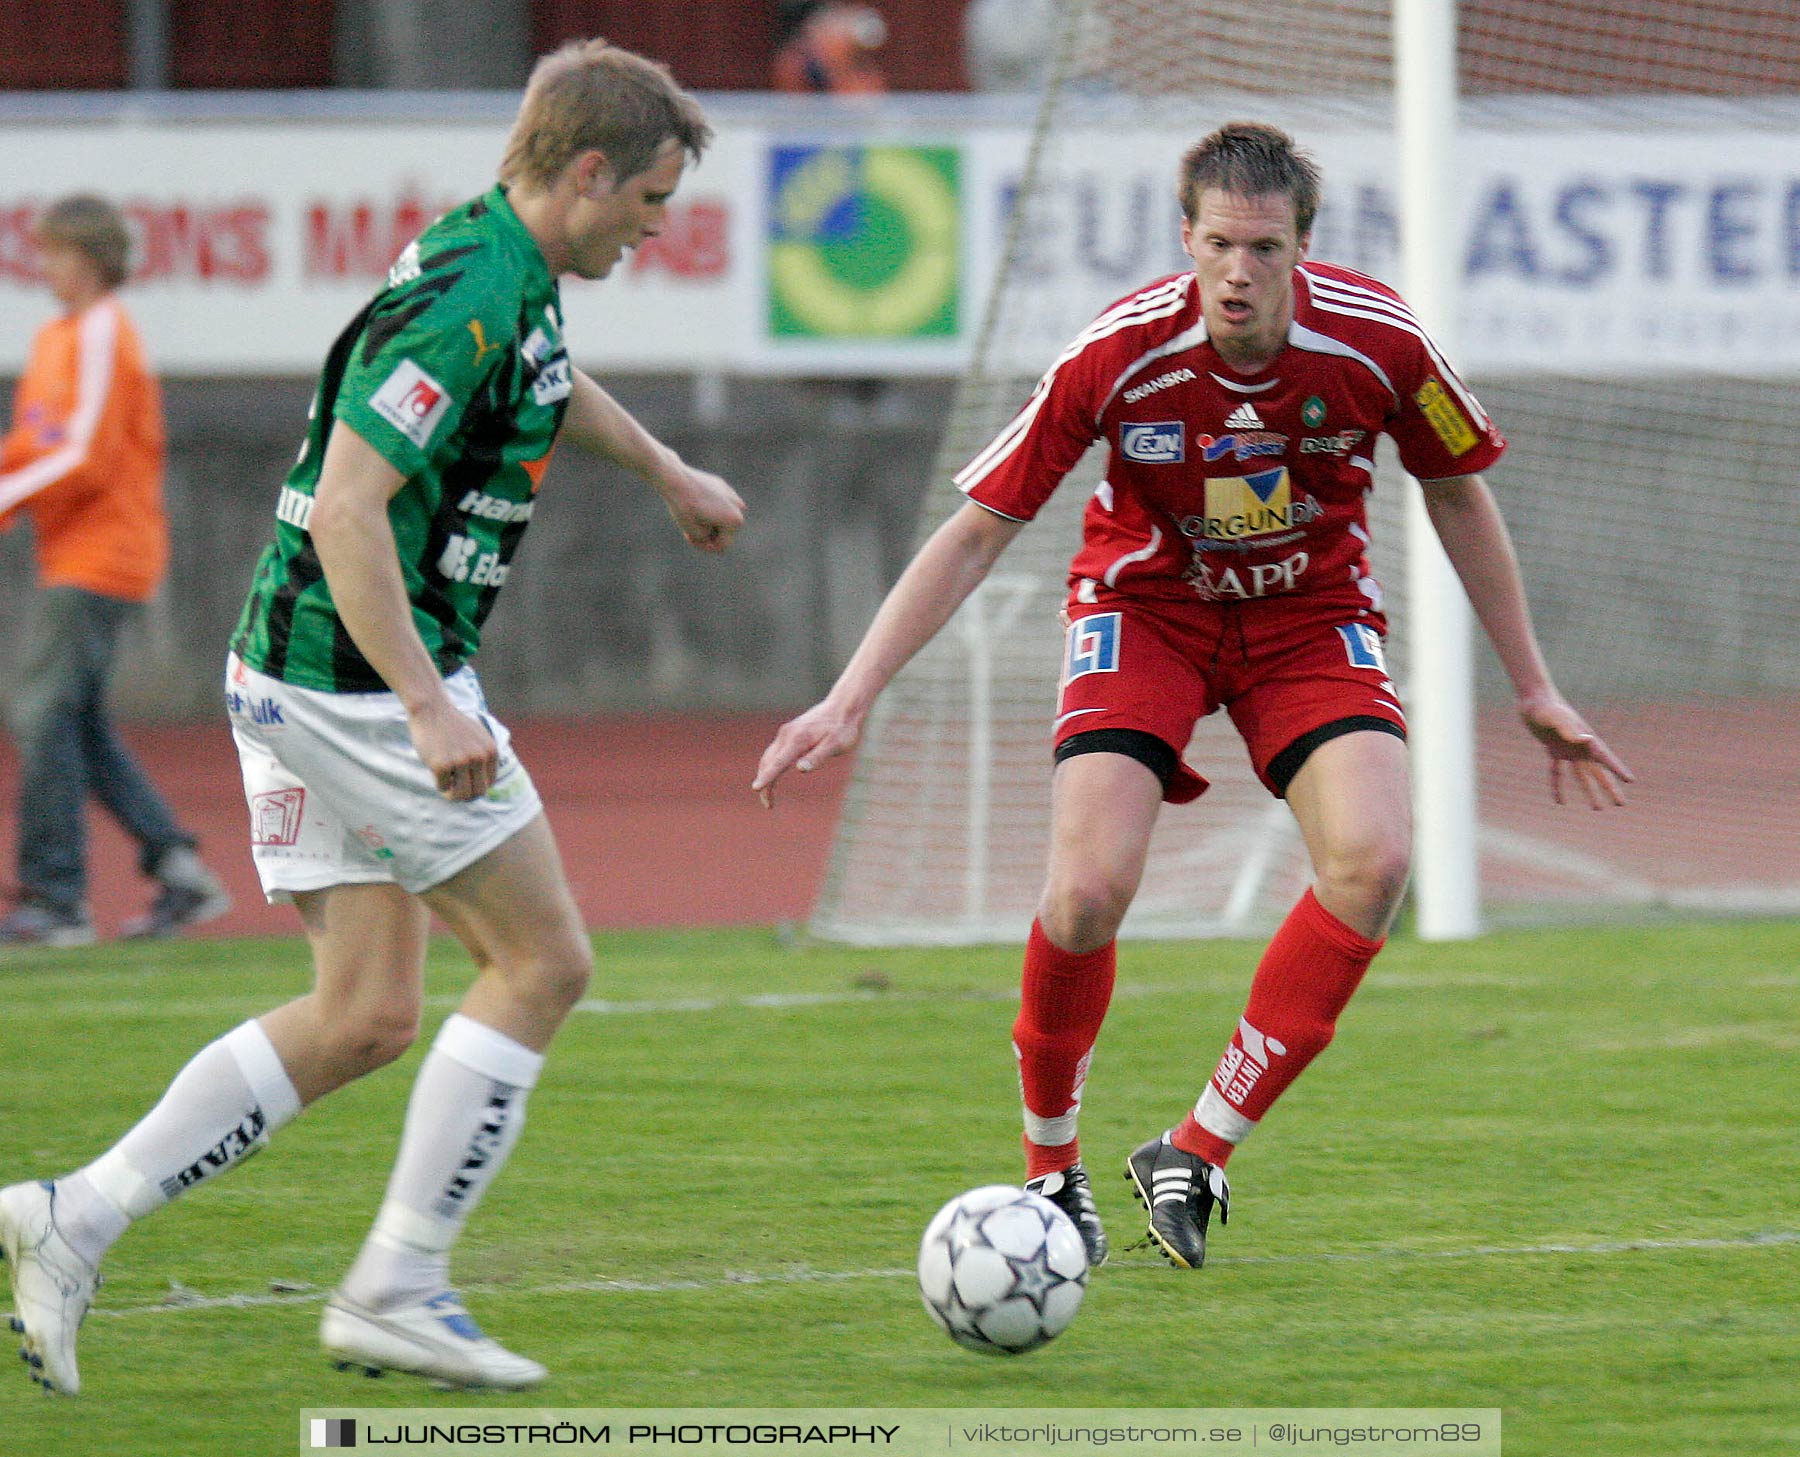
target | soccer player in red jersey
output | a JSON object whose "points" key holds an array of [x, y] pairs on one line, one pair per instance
{"points": [[1223, 565]]}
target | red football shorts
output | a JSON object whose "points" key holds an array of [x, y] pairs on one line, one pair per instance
{"points": [[1289, 676]]}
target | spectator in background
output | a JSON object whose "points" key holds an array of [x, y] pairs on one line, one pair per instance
{"points": [[84, 460], [830, 48]]}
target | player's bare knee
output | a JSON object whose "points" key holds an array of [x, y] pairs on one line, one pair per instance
{"points": [[370, 1036], [1083, 914], [557, 977], [1372, 873]]}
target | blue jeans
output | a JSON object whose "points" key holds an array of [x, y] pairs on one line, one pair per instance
{"points": [[69, 749]]}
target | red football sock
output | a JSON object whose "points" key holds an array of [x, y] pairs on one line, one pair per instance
{"points": [[1062, 1003], [1303, 982]]}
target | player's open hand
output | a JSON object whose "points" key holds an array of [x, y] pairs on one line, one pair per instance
{"points": [[458, 750], [703, 505], [822, 732], [1576, 749]]}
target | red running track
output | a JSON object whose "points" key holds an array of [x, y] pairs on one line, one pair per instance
{"points": [[654, 815]]}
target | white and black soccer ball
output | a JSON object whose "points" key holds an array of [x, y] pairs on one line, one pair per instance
{"points": [[1001, 1270]]}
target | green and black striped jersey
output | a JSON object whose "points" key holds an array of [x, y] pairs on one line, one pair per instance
{"points": [[456, 372]]}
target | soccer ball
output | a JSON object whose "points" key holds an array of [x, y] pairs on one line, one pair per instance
{"points": [[1002, 1271]]}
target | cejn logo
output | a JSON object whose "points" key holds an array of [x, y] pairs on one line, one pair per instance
{"points": [[1159, 442]]}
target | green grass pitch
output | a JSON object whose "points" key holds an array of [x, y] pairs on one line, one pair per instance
{"points": [[1552, 1172]]}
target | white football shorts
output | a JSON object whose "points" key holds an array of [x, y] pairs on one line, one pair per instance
{"points": [[339, 796]]}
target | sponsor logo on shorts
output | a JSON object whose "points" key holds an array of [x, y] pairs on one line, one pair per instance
{"points": [[1159, 442], [1093, 645], [411, 401], [1362, 645], [373, 841], [263, 712], [275, 817], [1446, 417]]}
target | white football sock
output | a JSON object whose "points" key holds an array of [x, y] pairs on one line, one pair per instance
{"points": [[466, 1113], [221, 1108]]}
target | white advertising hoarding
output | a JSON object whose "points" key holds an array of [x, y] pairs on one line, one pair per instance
{"points": [[1600, 251]]}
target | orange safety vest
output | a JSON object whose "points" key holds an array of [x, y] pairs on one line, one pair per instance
{"points": [[84, 456]]}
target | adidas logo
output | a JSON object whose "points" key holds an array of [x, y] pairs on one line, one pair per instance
{"points": [[1244, 417]]}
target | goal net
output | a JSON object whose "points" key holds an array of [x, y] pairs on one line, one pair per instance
{"points": [[1628, 212]]}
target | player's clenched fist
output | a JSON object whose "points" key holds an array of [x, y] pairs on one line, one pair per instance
{"points": [[458, 750]]}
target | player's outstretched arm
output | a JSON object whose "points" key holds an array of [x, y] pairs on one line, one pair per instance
{"points": [[1479, 546], [704, 507], [948, 567]]}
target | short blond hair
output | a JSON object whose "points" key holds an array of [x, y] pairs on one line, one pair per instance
{"points": [[589, 95], [93, 226]]}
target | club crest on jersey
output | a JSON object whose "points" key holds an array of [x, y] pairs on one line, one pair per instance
{"points": [[1093, 645], [411, 401], [1158, 442], [1239, 507]]}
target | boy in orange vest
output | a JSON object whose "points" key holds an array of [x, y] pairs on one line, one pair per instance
{"points": [[84, 460]]}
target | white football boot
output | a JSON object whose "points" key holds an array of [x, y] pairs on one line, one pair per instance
{"points": [[52, 1286], [437, 1339]]}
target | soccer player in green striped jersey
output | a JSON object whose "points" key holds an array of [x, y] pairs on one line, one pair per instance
{"points": [[381, 789]]}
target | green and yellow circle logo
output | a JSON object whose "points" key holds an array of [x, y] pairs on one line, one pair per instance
{"points": [[864, 242]]}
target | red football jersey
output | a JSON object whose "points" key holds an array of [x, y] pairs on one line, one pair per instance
{"points": [[1225, 487]]}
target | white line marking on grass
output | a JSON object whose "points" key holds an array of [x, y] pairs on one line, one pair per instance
{"points": [[1695, 1039], [183, 1302], [758, 1001]]}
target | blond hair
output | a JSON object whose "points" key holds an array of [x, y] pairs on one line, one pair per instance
{"points": [[591, 95], [93, 226]]}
